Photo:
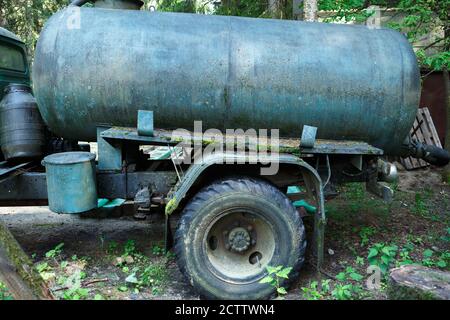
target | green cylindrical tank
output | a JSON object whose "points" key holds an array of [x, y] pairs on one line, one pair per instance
{"points": [[352, 82]]}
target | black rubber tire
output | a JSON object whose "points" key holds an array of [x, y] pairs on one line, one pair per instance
{"points": [[207, 206]]}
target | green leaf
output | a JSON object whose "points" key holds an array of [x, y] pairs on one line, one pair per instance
{"points": [[98, 297], [428, 253], [281, 290], [132, 279], [271, 270], [356, 276], [386, 250], [349, 270], [122, 289], [284, 273], [385, 260], [341, 276], [372, 253], [83, 292], [360, 261], [406, 262], [267, 279], [441, 264]]}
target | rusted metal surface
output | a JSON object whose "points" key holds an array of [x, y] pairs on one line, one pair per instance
{"points": [[71, 182], [229, 72], [131, 135], [31, 188], [433, 97], [8, 170], [342, 147]]}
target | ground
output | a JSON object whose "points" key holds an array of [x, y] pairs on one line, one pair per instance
{"points": [[84, 258]]}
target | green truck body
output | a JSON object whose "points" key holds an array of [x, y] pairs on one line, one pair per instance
{"points": [[13, 61]]}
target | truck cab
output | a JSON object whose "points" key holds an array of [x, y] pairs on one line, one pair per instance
{"points": [[13, 61]]}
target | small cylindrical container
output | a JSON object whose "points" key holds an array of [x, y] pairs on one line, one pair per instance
{"points": [[71, 182], [22, 131]]}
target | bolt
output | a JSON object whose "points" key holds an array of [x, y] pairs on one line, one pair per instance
{"points": [[253, 242], [225, 232], [249, 228], [227, 246]]}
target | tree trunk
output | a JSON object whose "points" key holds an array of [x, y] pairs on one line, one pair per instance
{"points": [[297, 9], [17, 271], [310, 10], [273, 8], [445, 75], [2, 20]]}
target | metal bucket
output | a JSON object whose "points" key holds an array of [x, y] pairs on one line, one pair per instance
{"points": [[71, 182]]}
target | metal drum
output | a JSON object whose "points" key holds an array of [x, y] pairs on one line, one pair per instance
{"points": [[22, 133], [71, 182]]}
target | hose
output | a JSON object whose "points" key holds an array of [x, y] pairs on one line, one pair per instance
{"points": [[431, 154], [435, 155]]}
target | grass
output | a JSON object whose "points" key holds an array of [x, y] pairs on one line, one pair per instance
{"points": [[144, 273], [364, 231], [69, 277], [356, 201]]}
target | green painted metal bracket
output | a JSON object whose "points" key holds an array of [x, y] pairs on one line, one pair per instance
{"points": [[145, 123], [109, 152], [120, 134], [303, 204]]}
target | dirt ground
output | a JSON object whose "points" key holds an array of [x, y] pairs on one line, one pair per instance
{"points": [[122, 258]]}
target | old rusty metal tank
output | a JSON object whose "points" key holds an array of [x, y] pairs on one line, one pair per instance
{"points": [[352, 82], [22, 133]]}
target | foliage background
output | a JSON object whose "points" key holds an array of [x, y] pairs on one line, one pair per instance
{"points": [[418, 17]]}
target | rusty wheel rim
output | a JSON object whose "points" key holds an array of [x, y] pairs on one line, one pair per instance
{"points": [[238, 246]]}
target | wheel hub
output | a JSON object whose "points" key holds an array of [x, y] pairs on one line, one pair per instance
{"points": [[239, 239]]}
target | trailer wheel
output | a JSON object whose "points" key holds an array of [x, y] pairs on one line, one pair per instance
{"points": [[231, 231]]}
